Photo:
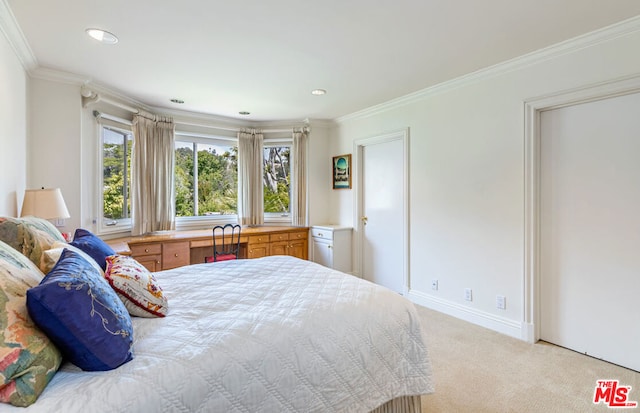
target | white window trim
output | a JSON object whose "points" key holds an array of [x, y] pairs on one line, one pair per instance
{"points": [[199, 222], [278, 217], [122, 226]]}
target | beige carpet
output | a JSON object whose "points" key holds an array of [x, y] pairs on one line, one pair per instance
{"points": [[478, 370]]}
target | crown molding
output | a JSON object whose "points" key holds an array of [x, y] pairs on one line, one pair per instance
{"points": [[595, 37], [15, 37], [99, 92], [55, 75]]}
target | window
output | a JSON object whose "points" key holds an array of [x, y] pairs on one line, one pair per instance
{"points": [[276, 179], [116, 178], [206, 177]]}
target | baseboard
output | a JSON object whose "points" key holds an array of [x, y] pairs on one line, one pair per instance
{"points": [[491, 321]]}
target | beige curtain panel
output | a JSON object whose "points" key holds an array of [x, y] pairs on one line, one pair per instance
{"points": [[152, 167], [299, 178], [250, 189]]}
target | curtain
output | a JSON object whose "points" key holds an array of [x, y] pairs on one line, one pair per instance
{"points": [[152, 169], [299, 178], [250, 187]]}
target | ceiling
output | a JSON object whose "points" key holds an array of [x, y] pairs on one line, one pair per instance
{"points": [[265, 57]]}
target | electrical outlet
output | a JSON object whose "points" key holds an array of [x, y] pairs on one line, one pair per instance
{"points": [[501, 302], [468, 295], [434, 285]]}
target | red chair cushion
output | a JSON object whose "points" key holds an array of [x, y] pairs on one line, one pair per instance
{"points": [[221, 257], [226, 257]]}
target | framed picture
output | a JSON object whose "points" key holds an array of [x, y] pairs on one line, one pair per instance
{"points": [[342, 172]]}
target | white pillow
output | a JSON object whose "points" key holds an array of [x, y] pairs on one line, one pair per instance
{"points": [[51, 256]]}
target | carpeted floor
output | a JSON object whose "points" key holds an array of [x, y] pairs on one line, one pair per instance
{"points": [[478, 370]]}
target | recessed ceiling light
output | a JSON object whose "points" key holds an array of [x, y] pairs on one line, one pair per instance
{"points": [[244, 113], [318, 92], [178, 101], [102, 36]]}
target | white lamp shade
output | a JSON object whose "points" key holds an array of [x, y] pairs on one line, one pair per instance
{"points": [[44, 203]]}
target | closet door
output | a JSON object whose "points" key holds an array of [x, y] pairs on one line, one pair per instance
{"points": [[590, 229]]}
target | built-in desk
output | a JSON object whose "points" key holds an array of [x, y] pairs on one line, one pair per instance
{"points": [[169, 249]]}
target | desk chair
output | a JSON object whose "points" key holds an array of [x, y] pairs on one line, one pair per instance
{"points": [[227, 246]]}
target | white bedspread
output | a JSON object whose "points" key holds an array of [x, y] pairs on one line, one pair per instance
{"points": [[275, 334]]}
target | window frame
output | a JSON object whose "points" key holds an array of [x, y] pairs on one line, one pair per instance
{"points": [[279, 217], [113, 226], [198, 222]]}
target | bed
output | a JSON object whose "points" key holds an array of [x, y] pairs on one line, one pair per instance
{"points": [[275, 334]]}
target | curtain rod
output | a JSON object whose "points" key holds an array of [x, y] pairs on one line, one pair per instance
{"points": [[99, 115], [91, 97], [128, 122]]}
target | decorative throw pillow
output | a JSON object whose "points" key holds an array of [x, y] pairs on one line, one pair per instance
{"points": [[28, 359], [30, 236], [82, 315], [92, 245], [52, 256], [136, 287]]}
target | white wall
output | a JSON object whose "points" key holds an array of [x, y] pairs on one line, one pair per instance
{"points": [[13, 130], [319, 173], [467, 172], [55, 142]]}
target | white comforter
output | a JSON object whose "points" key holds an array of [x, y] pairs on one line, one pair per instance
{"points": [[275, 334]]}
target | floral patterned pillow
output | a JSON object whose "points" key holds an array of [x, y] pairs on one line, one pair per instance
{"points": [[136, 287], [28, 359], [30, 236]]}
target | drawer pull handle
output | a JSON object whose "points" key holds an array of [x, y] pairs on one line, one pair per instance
{"points": [[176, 255], [320, 234], [146, 250]]}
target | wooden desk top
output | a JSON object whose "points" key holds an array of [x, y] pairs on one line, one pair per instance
{"points": [[121, 245]]}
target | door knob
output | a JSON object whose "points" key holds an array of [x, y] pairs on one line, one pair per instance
{"points": [[364, 220]]}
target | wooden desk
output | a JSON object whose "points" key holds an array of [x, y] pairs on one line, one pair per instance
{"points": [[171, 249]]}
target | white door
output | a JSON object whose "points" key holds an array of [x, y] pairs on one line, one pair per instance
{"points": [[590, 228], [382, 212]]}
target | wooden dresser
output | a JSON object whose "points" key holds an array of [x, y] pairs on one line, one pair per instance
{"points": [[170, 249]]}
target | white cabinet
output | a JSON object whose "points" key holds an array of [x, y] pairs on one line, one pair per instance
{"points": [[331, 246]]}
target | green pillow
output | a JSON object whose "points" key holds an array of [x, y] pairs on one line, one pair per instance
{"points": [[30, 236]]}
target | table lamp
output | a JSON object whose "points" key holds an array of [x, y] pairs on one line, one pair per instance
{"points": [[44, 203]]}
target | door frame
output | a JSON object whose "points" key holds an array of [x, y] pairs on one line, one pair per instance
{"points": [[531, 300], [358, 150]]}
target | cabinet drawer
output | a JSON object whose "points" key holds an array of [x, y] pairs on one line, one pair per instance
{"points": [[298, 235], [145, 249], [175, 254], [202, 243], [321, 233], [258, 239], [278, 237]]}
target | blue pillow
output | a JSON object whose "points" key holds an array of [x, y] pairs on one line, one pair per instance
{"points": [[83, 316], [92, 245]]}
